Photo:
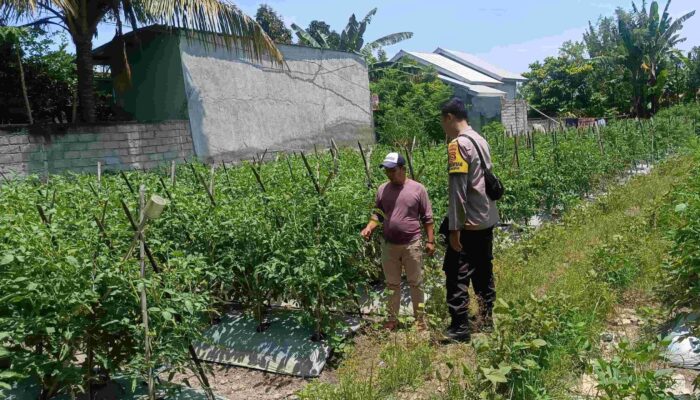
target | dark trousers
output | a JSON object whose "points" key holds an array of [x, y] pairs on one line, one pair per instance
{"points": [[472, 264]]}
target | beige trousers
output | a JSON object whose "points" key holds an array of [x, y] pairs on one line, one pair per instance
{"points": [[410, 257]]}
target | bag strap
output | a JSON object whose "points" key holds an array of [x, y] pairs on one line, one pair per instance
{"points": [[478, 151]]}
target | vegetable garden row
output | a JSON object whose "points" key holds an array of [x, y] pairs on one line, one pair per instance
{"points": [[261, 232]]}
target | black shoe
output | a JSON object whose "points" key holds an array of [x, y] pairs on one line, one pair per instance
{"points": [[457, 334]]}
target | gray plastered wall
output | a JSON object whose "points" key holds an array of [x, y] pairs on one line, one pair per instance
{"points": [[238, 108]]}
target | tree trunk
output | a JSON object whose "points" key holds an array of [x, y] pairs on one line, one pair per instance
{"points": [[86, 73], [24, 87]]}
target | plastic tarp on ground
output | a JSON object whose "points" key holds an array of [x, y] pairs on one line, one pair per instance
{"points": [[120, 388], [285, 347], [684, 350]]}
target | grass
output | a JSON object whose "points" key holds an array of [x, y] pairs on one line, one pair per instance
{"points": [[558, 287]]}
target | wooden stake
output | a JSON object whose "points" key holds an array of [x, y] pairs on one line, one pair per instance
{"points": [[335, 146], [172, 173], [103, 231], [517, 155], [336, 163], [600, 139], [289, 165], [126, 179], [653, 135], [311, 174], [165, 188], [99, 174], [204, 184], [364, 161], [144, 303], [212, 178], [257, 178], [409, 159], [135, 228]]}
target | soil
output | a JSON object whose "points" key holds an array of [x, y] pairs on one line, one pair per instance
{"points": [[234, 383], [626, 323]]}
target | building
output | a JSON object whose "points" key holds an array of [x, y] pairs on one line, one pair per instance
{"points": [[490, 92], [236, 107]]}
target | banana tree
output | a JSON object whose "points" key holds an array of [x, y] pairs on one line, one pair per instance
{"points": [[649, 40], [82, 17], [352, 38], [13, 36]]}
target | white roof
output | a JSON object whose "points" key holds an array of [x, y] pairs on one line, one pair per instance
{"points": [[474, 90], [480, 65], [448, 67]]}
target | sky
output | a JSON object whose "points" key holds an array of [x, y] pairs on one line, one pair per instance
{"points": [[508, 33]]}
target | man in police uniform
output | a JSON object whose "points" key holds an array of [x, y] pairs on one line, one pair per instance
{"points": [[471, 217]]}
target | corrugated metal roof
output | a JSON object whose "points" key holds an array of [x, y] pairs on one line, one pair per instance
{"points": [[475, 90], [480, 65], [448, 67]]}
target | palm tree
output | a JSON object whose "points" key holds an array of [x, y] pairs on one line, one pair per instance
{"points": [[81, 18], [13, 36], [649, 41], [352, 38]]}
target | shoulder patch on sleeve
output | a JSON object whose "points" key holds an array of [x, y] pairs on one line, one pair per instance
{"points": [[456, 163]]}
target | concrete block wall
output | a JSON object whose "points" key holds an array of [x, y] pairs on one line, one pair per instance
{"points": [[78, 149], [514, 116]]}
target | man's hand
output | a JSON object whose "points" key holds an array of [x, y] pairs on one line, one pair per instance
{"points": [[371, 226], [455, 244], [430, 249]]}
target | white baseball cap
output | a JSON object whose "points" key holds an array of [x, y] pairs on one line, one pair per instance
{"points": [[392, 160]]}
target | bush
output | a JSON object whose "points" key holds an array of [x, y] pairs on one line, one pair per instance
{"points": [[409, 105], [681, 272]]}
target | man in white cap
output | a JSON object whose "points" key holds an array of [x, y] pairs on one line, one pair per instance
{"points": [[402, 206]]}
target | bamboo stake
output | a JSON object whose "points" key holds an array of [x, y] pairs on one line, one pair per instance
{"points": [[330, 177], [652, 133], [42, 215], [311, 174], [204, 184], [336, 161], [212, 176], [257, 178], [505, 140], [92, 189], [228, 180], [318, 164], [165, 188], [409, 159], [202, 375], [517, 155], [144, 302], [289, 165], [136, 229], [99, 174], [364, 161], [335, 146], [103, 231], [126, 179], [600, 139]]}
